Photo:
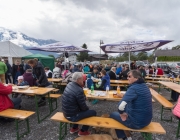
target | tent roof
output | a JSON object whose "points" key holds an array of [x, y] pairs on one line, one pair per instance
{"points": [[37, 56], [9, 49]]}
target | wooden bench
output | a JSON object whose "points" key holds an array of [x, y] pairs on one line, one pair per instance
{"points": [[18, 115], [147, 131], [163, 101], [55, 91], [53, 97]]}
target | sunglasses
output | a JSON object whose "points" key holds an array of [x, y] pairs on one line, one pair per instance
{"points": [[129, 76]]}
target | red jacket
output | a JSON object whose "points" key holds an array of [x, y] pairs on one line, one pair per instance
{"points": [[160, 71], [5, 101]]}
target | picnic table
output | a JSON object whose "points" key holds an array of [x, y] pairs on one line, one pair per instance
{"points": [[55, 80], [171, 85], [36, 91]]}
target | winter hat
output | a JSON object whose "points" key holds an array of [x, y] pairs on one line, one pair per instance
{"points": [[20, 77]]}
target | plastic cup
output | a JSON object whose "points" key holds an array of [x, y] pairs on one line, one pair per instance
{"points": [[85, 91]]}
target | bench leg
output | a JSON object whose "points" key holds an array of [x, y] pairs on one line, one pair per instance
{"points": [[63, 126], [146, 136], [177, 133], [162, 109], [17, 129]]}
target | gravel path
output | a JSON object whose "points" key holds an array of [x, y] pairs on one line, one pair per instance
{"points": [[48, 130]]}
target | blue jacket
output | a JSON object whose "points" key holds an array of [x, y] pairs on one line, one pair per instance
{"points": [[107, 78], [139, 104], [89, 83], [86, 69], [118, 70], [73, 100]]}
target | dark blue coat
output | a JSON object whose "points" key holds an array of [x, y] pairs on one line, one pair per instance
{"points": [[139, 104], [107, 78], [73, 100]]}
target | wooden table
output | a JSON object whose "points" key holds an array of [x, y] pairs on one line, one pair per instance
{"points": [[125, 82], [171, 85], [109, 96], [55, 79], [36, 92]]}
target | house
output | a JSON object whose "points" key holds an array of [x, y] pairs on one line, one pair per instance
{"points": [[167, 53], [97, 57]]}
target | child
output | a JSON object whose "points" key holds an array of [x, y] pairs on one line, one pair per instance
{"points": [[21, 81]]}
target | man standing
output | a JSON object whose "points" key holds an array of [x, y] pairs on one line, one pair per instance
{"points": [[133, 65], [135, 108], [74, 104], [3, 69]]}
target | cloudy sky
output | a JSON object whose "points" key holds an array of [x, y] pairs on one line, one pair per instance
{"points": [[89, 21]]}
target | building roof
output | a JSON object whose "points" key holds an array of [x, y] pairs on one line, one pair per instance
{"points": [[98, 55], [167, 53]]}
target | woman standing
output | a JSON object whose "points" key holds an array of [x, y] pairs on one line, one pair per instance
{"points": [[40, 75]]}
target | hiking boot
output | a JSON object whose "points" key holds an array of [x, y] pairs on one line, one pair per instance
{"points": [[85, 133], [74, 130]]}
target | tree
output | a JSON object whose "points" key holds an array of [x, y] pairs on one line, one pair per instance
{"points": [[176, 47], [142, 56], [83, 55]]}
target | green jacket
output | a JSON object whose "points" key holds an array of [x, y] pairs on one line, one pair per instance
{"points": [[3, 68]]}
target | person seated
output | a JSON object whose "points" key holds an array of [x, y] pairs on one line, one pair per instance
{"points": [[159, 71], [135, 108], [86, 68], [56, 71], [95, 73], [105, 81], [5, 101], [21, 81], [74, 105], [107, 68], [29, 77], [112, 73], [89, 81], [123, 75], [48, 72], [142, 71]]}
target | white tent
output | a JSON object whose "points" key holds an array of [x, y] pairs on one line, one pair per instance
{"points": [[10, 50]]}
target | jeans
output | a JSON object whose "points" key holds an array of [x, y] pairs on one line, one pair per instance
{"points": [[7, 77], [128, 123], [16, 102], [80, 116]]}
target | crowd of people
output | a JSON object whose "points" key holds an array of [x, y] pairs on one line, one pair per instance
{"points": [[131, 110]]}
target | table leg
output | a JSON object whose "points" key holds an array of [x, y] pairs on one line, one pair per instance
{"points": [[37, 108]]}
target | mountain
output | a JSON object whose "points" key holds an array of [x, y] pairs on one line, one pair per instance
{"points": [[25, 41]]}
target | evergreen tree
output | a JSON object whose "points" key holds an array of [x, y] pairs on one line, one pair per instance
{"points": [[83, 55]]}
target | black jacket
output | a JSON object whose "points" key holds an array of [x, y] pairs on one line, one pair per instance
{"points": [[112, 75], [123, 75], [15, 69], [73, 100], [39, 73], [9, 68]]}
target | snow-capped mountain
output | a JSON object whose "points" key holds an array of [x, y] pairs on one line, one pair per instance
{"points": [[25, 41]]}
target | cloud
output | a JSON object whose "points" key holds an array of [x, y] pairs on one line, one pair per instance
{"points": [[84, 21]]}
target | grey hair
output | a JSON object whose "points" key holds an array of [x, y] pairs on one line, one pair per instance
{"points": [[135, 74], [76, 76], [113, 68]]}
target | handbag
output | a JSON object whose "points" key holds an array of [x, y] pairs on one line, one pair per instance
{"points": [[176, 109]]}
